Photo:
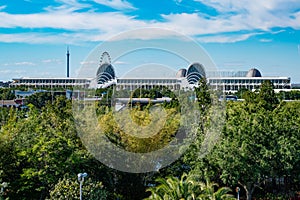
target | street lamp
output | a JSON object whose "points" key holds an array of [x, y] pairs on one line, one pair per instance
{"points": [[237, 189], [81, 177]]}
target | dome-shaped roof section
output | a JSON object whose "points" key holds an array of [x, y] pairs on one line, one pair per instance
{"points": [[195, 73], [105, 73], [181, 73], [253, 73]]}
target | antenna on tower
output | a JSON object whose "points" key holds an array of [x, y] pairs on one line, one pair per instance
{"points": [[68, 62]]}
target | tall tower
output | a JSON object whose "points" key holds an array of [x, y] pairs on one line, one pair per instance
{"points": [[68, 63]]}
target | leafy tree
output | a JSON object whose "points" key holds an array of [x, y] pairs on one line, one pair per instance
{"points": [[4, 115], [69, 189], [289, 95], [239, 153], [257, 144], [203, 95], [148, 131], [287, 142], [250, 97], [241, 92], [267, 96], [211, 110], [38, 150], [7, 94], [40, 99]]}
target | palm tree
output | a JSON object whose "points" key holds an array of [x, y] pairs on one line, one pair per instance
{"points": [[208, 192], [172, 188], [188, 187]]}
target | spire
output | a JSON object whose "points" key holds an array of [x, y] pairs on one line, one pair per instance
{"points": [[68, 62]]}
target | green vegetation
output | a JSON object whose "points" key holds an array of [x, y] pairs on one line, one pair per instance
{"points": [[68, 189], [189, 186], [258, 149], [6, 94], [146, 141]]}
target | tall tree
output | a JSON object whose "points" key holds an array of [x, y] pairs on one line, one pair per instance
{"points": [[257, 144], [241, 153], [267, 96], [203, 95]]}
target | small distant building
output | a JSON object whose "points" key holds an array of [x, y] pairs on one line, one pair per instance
{"points": [[11, 103], [296, 86]]}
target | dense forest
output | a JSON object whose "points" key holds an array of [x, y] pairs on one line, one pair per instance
{"points": [[256, 154]]}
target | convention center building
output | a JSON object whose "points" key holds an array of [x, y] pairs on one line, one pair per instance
{"points": [[184, 79]]}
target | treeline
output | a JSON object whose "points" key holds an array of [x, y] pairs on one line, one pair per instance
{"points": [[282, 95], [257, 150]]}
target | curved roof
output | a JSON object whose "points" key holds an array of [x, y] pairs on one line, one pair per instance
{"points": [[181, 73], [253, 73], [105, 73], [195, 72]]}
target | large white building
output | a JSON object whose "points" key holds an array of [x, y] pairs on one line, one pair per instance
{"points": [[184, 79]]}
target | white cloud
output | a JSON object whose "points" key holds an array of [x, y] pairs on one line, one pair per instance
{"points": [[178, 1], [90, 62], [23, 63], [196, 24], [234, 64], [116, 4], [239, 17], [112, 22], [225, 38], [7, 71], [259, 14], [50, 61], [67, 6], [31, 38], [254, 6], [266, 40], [118, 62], [2, 7], [151, 32]]}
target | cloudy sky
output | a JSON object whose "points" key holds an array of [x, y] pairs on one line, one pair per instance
{"points": [[238, 35]]}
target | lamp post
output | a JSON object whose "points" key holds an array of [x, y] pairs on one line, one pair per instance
{"points": [[81, 177], [237, 189]]}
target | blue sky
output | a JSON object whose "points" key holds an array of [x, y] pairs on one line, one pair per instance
{"points": [[238, 35]]}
